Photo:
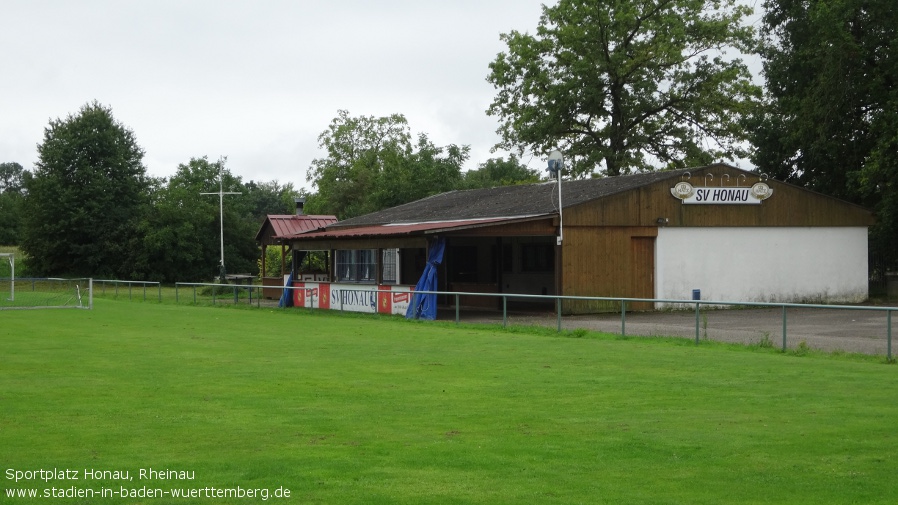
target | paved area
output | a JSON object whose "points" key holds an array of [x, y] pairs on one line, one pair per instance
{"points": [[861, 331]]}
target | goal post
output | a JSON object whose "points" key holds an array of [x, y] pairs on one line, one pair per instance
{"points": [[8, 259], [41, 292]]}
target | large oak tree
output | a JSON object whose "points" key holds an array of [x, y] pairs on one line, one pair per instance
{"points": [[625, 85]]}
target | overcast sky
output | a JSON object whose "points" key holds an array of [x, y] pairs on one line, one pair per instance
{"points": [[254, 80]]}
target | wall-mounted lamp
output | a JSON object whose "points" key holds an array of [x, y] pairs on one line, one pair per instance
{"points": [[662, 221]]}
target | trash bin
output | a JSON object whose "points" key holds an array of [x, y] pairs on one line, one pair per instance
{"points": [[696, 294], [892, 284]]}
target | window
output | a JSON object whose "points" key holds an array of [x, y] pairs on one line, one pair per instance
{"points": [[537, 257], [356, 265], [391, 266]]}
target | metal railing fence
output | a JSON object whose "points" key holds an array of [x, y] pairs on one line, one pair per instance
{"points": [[252, 295], [623, 301], [218, 291], [130, 285]]}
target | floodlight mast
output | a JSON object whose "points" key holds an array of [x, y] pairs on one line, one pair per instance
{"points": [[556, 163], [221, 193]]}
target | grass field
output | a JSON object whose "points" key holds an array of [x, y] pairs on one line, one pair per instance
{"points": [[360, 409]]}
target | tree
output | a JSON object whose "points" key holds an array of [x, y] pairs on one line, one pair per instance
{"points": [[625, 85], [86, 197], [371, 164], [12, 215], [499, 172], [182, 237], [12, 177], [830, 122], [356, 149], [269, 197], [427, 170], [829, 76]]}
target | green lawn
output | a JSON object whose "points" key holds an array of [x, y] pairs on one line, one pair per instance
{"points": [[362, 409]]}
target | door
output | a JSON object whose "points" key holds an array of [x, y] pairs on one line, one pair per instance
{"points": [[642, 271]]}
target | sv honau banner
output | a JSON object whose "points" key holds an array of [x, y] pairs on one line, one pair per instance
{"points": [[689, 194]]}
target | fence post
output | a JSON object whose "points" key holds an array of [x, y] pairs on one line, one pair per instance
{"points": [[176, 292], [623, 318], [889, 336], [159, 285], [696, 321], [504, 311], [456, 309], [558, 306], [784, 328]]}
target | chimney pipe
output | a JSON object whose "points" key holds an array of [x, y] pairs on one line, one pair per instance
{"points": [[300, 203]]}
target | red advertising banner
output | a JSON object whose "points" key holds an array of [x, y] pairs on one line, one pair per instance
{"points": [[384, 300], [299, 294], [324, 295]]}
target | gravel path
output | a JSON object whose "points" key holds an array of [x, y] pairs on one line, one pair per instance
{"points": [[860, 331]]}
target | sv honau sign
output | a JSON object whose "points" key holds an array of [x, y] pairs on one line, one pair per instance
{"points": [[689, 194]]}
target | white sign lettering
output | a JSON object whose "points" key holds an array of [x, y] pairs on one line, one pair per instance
{"points": [[741, 196]]}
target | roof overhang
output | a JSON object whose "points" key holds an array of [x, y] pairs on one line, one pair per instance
{"points": [[405, 230]]}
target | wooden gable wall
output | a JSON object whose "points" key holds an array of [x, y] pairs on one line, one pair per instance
{"points": [[788, 206], [609, 243]]}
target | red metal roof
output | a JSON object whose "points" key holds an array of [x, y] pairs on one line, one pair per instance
{"points": [[410, 228], [291, 225]]}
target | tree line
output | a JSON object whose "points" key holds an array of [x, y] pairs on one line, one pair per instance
{"points": [[619, 86], [88, 208]]}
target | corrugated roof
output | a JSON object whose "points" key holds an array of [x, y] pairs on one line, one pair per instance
{"points": [[429, 227], [506, 201], [290, 225]]}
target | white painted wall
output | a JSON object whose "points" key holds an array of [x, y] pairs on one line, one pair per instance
{"points": [[772, 264]]}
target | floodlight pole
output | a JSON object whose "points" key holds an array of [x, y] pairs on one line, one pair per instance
{"points": [[221, 193], [560, 211], [556, 162]]}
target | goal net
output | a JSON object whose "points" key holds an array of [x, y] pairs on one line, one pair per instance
{"points": [[7, 277], [41, 292]]}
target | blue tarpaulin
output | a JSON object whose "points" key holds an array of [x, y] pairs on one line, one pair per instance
{"points": [[287, 296], [424, 306]]}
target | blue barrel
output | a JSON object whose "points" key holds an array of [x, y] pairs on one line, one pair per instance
{"points": [[696, 294]]}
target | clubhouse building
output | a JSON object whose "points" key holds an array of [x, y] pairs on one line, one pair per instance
{"points": [[723, 232]]}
